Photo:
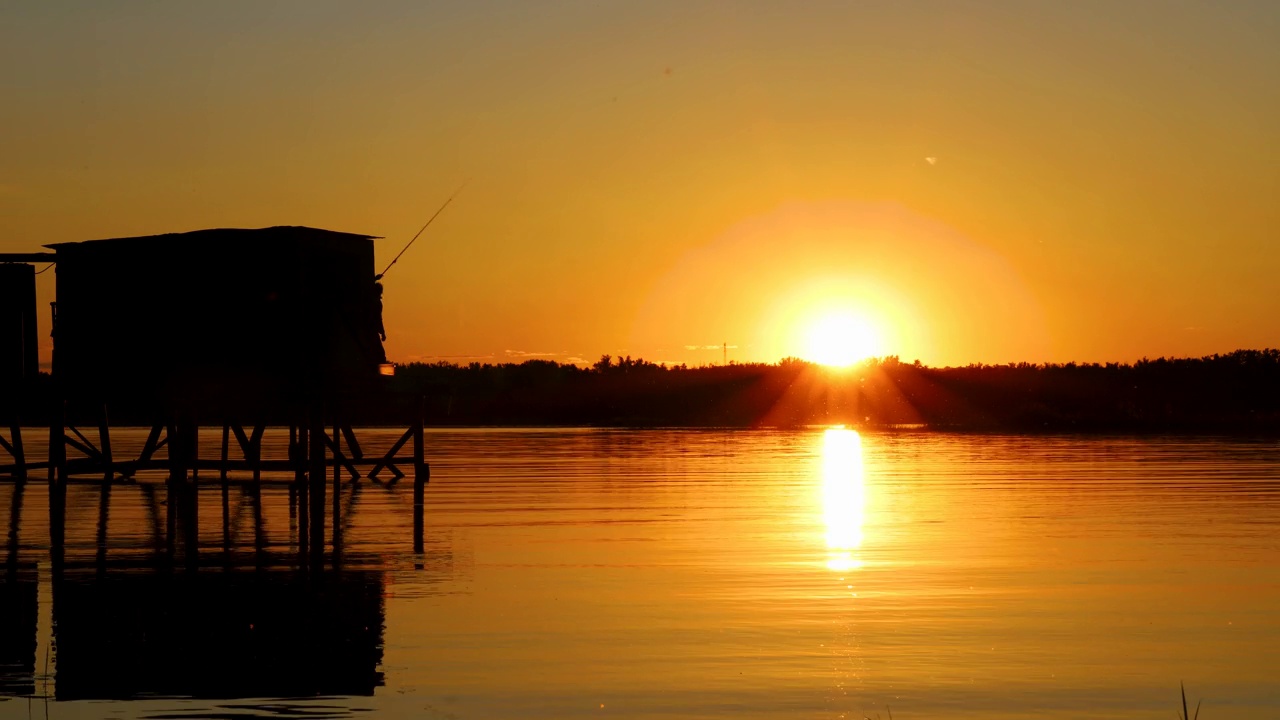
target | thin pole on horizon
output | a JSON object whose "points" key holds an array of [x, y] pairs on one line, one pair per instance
{"points": [[726, 353]]}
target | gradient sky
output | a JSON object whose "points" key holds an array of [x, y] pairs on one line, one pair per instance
{"points": [[657, 178]]}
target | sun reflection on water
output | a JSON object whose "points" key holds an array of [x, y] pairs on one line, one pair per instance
{"points": [[844, 497]]}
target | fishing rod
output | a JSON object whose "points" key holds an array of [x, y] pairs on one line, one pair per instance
{"points": [[420, 231]]}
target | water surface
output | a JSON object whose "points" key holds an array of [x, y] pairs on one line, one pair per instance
{"points": [[677, 574]]}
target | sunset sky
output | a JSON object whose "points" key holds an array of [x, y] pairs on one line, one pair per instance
{"points": [[965, 181]]}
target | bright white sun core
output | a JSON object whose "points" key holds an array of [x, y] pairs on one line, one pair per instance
{"points": [[840, 339]]}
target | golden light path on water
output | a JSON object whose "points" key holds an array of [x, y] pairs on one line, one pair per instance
{"points": [[844, 497]]}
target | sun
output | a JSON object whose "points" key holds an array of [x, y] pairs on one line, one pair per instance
{"points": [[840, 339]]}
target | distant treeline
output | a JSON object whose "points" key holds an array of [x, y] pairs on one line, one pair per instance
{"points": [[1238, 392]]}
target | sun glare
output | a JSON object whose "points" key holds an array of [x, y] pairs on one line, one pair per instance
{"points": [[841, 339], [844, 497]]}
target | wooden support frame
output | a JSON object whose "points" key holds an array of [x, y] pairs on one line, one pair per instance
{"points": [[388, 460], [13, 446], [313, 448]]}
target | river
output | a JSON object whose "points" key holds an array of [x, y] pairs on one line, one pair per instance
{"points": [[819, 573]]}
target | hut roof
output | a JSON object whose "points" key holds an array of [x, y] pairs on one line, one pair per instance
{"points": [[280, 232]]}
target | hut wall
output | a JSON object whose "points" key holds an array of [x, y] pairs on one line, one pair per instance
{"points": [[19, 360], [213, 318]]}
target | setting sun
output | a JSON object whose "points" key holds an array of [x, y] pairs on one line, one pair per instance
{"points": [[841, 339]]}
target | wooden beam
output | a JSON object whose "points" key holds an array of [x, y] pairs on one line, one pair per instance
{"points": [[352, 444], [88, 450], [391, 454], [339, 458]]}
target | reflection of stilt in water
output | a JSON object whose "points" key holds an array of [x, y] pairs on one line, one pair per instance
{"points": [[421, 474], [15, 521], [336, 503], [144, 627], [18, 611], [259, 524], [153, 511], [316, 491], [104, 503]]}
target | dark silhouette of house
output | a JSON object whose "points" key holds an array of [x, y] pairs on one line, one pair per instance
{"points": [[18, 338], [216, 320]]}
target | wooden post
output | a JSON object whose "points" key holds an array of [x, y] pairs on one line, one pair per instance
{"points": [[420, 477], [226, 450], [104, 445], [193, 454], [336, 530], [293, 487], [255, 443], [191, 492], [104, 505], [19, 455], [259, 527], [226, 519], [316, 490], [57, 484], [171, 490], [226, 490], [300, 481]]}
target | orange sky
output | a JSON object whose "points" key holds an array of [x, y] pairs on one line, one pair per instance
{"points": [[657, 178]]}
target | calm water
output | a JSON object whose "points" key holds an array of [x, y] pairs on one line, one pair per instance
{"points": [[673, 574]]}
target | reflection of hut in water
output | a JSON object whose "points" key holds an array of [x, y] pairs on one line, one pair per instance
{"points": [[213, 319], [18, 606], [218, 635]]}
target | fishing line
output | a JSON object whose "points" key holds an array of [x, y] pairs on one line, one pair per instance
{"points": [[420, 231]]}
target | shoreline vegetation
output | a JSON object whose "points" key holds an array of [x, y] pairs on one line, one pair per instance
{"points": [[1237, 393]]}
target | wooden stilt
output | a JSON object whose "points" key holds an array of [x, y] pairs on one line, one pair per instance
{"points": [[226, 519], [259, 525], [171, 491], [226, 490], [104, 505], [15, 521], [336, 528], [190, 493], [316, 482], [14, 446], [226, 450], [300, 482], [353, 447], [255, 442], [420, 476], [57, 486]]}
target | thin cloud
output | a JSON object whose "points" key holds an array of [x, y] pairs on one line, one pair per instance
{"points": [[535, 354], [425, 358]]}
